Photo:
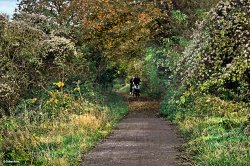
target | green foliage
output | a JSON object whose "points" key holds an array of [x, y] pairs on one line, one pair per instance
{"points": [[151, 83], [54, 43], [219, 131], [194, 9], [60, 124], [207, 94], [18, 61], [170, 103], [220, 64], [30, 58], [159, 65], [180, 17]]}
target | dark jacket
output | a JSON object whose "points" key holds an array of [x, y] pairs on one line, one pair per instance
{"points": [[137, 80]]}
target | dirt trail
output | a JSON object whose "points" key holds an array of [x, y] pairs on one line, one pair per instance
{"points": [[140, 139]]}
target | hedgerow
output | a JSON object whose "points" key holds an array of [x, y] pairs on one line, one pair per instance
{"points": [[218, 59], [209, 93]]}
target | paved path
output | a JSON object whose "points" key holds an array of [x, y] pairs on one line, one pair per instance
{"points": [[140, 139]]}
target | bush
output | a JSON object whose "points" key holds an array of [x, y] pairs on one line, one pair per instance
{"points": [[209, 93], [30, 59], [218, 58]]}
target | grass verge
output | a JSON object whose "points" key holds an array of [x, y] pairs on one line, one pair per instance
{"points": [[58, 128], [218, 131]]}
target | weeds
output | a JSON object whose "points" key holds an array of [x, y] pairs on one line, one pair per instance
{"points": [[56, 127], [218, 130]]}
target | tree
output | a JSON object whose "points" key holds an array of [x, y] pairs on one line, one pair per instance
{"points": [[56, 9], [119, 29]]}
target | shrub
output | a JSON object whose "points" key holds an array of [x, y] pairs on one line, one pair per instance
{"points": [[30, 59], [218, 58], [209, 93]]}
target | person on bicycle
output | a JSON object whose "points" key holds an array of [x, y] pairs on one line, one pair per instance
{"points": [[136, 88]]}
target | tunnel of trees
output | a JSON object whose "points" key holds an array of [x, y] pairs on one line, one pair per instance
{"points": [[61, 60]]}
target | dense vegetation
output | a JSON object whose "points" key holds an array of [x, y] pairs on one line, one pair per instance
{"points": [[60, 60], [208, 90]]}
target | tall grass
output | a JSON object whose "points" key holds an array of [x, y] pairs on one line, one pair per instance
{"points": [[218, 131], [58, 127]]}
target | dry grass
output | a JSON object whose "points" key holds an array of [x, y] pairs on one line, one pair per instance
{"points": [[59, 162], [58, 133], [87, 120]]}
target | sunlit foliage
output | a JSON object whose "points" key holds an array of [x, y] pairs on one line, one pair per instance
{"points": [[208, 90], [219, 58]]}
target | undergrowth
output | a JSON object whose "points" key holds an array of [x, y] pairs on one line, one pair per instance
{"points": [[208, 90], [59, 125], [218, 131]]}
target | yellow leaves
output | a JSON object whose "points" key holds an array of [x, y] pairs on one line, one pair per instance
{"points": [[144, 30], [203, 88], [98, 27], [92, 25], [206, 85], [34, 99], [109, 45], [56, 95], [118, 27], [186, 93], [144, 18], [189, 124]]}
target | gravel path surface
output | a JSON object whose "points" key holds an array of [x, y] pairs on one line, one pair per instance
{"points": [[140, 139]]}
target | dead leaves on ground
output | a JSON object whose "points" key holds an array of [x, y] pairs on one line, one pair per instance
{"points": [[144, 105]]}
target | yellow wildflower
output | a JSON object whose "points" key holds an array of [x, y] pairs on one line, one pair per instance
{"points": [[60, 84]]}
